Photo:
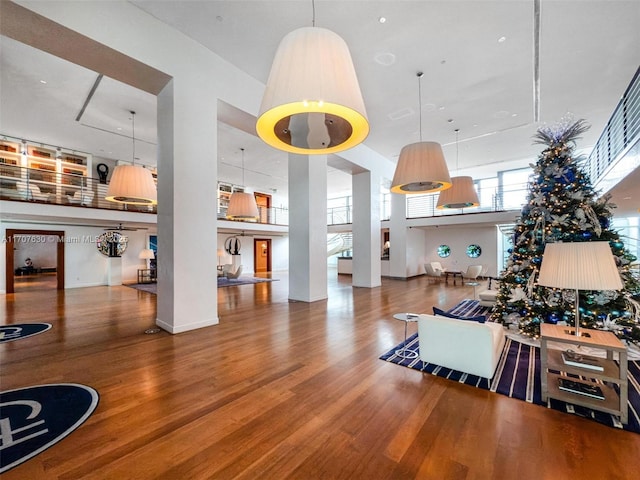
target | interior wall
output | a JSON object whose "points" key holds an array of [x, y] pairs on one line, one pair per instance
{"points": [[41, 249], [458, 239], [84, 265], [279, 252]]}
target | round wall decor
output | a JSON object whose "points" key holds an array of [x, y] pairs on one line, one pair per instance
{"points": [[232, 245], [444, 251], [112, 244], [474, 251]]}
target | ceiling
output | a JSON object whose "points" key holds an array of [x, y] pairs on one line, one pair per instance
{"points": [[479, 60]]}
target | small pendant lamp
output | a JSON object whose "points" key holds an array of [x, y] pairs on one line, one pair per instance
{"points": [[312, 103], [462, 193], [242, 205], [132, 184], [421, 166]]}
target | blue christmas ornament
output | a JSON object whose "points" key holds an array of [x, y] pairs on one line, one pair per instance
{"points": [[553, 318], [536, 260], [604, 222], [587, 234]]}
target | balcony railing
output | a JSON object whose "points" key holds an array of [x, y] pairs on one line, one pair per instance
{"points": [[622, 130]]}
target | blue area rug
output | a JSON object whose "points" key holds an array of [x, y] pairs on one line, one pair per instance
{"points": [[518, 376], [18, 331], [222, 282], [35, 418]]}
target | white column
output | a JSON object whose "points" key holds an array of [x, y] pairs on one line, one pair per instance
{"points": [[187, 176], [114, 271], [307, 227], [366, 230], [398, 236]]}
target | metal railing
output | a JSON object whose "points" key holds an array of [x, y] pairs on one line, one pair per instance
{"points": [[50, 187], [621, 131]]}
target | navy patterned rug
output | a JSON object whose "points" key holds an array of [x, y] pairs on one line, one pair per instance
{"points": [[518, 376], [222, 282], [17, 331]]}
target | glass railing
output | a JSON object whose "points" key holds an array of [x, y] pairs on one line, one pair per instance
{"points": [[38, 186], [622, 130]]}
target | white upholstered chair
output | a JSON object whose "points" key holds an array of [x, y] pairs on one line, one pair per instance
{"points": [[473, 271], [84, 197], [236, 274], [433, 269]]}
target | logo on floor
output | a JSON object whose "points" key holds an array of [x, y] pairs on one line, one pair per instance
{"points": [[34, 418], [18, 331]]}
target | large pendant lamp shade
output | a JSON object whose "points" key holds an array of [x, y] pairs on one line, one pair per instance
{"points": [[462, 194], [242, 205], [132, 184], [421, 169], [312, 103], [421, 166]]}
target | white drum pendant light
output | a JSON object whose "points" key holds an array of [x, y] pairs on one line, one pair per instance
{"points": [[132, 184], [242, 205], [312, 103], [462, 193], [421, 166]]}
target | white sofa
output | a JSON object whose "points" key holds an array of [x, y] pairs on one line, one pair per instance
{"points": [[463, 345]]}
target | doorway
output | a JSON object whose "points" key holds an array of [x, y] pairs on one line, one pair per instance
{"points": [[262, 255], [45, 269], [264, 207]]}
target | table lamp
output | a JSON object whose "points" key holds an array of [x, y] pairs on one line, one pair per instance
{"points": [[579, 266]]}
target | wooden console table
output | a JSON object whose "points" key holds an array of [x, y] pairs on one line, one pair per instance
{"points": [[551, 362]]}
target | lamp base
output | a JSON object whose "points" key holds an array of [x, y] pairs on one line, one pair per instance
{"points": [[581, 334]]}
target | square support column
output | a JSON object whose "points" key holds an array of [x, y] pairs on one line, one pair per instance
{"points": [[398, 236], [187, 175], [307, 227], [366, 230]]}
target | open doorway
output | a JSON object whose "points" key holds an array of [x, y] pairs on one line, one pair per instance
{"points": [[263, 201], [262, 255], [34, 260]]}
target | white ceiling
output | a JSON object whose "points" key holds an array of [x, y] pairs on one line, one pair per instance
{"points": [[474, 82]]}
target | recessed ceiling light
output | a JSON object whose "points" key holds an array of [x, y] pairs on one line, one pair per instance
{"points": [[382, 19], [502, 39], [514, 114], [385, 58], [119, 128], [44, 82], [441, 108]]}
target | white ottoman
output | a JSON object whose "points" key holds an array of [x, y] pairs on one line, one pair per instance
{"points": [[488, 298]]}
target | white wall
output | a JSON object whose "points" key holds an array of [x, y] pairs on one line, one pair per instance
{"points": [[279, 252], [458, 239], [84, 265], [42, 252]]}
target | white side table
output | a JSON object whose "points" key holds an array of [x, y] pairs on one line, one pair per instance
{"points": [[404, 352]]}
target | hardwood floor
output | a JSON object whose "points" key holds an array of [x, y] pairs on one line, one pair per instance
{"points": [[283, 390]]}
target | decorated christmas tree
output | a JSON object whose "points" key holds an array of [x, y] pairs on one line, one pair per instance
{"points": [[562, 206]]}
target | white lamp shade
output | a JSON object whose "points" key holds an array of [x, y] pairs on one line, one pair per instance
{"points": [[312, 103], [242, 206], [147, 254], [579, 266], [462, 194], [421, 169], [133, 185]]}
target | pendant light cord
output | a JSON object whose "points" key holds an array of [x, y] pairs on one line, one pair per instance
{"points": [[419, 74], [457, 167], [243, 185], [133, 135], [313, 9]]}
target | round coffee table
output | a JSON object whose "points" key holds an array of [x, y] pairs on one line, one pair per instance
{"points": [[404, 352]]}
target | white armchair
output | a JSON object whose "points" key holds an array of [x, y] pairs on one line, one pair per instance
{"points": [[31, 192], [433, 269], [84, 197], [472, 272]]}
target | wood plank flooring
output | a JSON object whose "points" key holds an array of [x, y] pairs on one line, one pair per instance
{"points": [[283, 390]]}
